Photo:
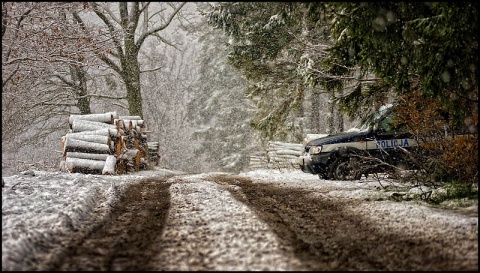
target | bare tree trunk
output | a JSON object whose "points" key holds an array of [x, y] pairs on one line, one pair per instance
{"points": [[339, 117], [131, 77], [315, 111], [339, 121], [331, 115], [79, 79], [126, 51]]}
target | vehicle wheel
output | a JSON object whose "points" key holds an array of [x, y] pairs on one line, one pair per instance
{"points": [[323, 176], [345, 168]]}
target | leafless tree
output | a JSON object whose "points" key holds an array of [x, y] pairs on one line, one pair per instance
{"points": [[45, 59], [128, 25]]}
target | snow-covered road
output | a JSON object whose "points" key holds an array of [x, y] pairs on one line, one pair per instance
{"points": [[258, 220]]}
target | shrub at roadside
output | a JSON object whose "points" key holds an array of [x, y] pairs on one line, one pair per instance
{"points": [[450, 145]]}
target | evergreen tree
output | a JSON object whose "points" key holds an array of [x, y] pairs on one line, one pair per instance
{"points": [[365, 52], [401, 43], [274, 44]]}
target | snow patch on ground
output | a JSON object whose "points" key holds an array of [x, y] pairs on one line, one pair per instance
{"points": [[39, 205], [201, 209]]}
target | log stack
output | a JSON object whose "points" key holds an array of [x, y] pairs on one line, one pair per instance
{"points": [[258, 160], [105, 144], [153, 152], [283, 155], [278, 155]]}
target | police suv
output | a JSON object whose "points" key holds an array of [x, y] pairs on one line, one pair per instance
{"points": [[374, 147]]}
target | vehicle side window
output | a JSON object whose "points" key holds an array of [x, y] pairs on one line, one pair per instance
{"points": [[388, 126], [385, 126]]}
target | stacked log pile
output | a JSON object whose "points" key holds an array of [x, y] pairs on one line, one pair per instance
{"points": [[258, 160], [282, 155], [279, 155], [153, 152], [105, 144]]}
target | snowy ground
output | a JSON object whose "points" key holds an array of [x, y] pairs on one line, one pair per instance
{"points": [[40, 205]]}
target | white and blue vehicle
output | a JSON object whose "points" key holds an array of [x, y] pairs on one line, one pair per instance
{"points": [[374, 147]]}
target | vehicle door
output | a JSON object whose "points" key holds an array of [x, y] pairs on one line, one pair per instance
{"points": [[389, 140]]}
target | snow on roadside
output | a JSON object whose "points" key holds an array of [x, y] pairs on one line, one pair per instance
{"points": [[358, 189], [37, 206], [389, 215]]}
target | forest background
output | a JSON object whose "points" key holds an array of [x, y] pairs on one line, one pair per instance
{"points": [[215, 82]]}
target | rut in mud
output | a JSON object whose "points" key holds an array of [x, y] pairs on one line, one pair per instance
{"points": [[314, 231], [122, 240], [325, 236]]}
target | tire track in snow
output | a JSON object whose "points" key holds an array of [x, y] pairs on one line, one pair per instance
{"points": [[208, 229]]}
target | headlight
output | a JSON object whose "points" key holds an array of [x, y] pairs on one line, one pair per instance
{"points": [[315, 150]]}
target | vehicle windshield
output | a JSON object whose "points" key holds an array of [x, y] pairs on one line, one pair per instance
{"points": [[370, 121]]}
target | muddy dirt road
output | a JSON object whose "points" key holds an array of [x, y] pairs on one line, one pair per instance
{"points": [[228, 222]]}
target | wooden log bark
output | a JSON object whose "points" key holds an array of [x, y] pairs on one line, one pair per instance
{"points": [[75, 145], [107, 137], [286, 152], [137, 128], [82, 165], [113, 133], [120, 146], [80, 125], [109, 168], [120, 123], [130, 140], [284, 145], [153, 152], [91, 156], [130, 117], [143, 163], [134, 159], [153, 145], [62, 142], [258, 162], [121, 166], [143, 139], [278, 155], [282, 159], [130, 124], [90, 138], [105, 118]]}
